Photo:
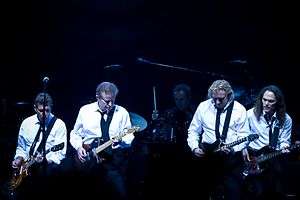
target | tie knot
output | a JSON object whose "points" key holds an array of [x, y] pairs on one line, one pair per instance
{"points": [[269, 118], [219, 110]]}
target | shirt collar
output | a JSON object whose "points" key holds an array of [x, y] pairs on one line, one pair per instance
{"points": [[37, 121], [226, 106]]}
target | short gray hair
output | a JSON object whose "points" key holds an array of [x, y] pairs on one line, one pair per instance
{"points": [[221, 85], [107, 87]]}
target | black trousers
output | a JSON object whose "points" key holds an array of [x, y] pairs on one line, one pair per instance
{"points": [[105, 179], [219, 176], [267, 185]]}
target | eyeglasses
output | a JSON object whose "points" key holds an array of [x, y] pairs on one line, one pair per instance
{"points": [[42, 110], [106, 101], [219, 99]]}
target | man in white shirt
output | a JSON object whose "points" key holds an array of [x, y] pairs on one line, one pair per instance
{"points": [[268, 119], [38, 135], [100, 122], [219, 119]]}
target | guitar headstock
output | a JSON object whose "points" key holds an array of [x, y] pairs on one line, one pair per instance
{"points": [[253, 137], [134, 129], [58, 147], [129, 131]]}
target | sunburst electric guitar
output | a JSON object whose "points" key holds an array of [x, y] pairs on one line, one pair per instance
{"points": [[23, 171]]}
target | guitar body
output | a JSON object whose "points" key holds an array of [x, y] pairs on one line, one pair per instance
{"points": [[18, 176], [260, 160], [92, 156], [210, 148], [98, 146], [252, 168]]}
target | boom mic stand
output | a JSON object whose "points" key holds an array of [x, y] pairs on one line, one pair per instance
{"points": [[43, 122]]}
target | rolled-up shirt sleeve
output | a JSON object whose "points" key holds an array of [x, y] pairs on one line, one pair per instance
{"points": [[22, 147], [59, 132], [242, 129], [127, 139], [285, 136]]}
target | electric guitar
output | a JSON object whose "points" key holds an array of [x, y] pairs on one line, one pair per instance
{"points": [[23, 171], [253, 165], [220, 146], [92, 150]]}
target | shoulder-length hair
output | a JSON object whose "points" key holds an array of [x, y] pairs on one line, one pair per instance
{"points": [[280, 106]]}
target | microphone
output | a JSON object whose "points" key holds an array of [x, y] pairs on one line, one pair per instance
{"points": [[46, 80], [113, 67]]}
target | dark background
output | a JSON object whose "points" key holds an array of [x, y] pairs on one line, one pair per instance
{"points": [[250, 43]]}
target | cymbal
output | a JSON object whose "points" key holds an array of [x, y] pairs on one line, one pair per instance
{"points": [[137, 120], [22, 103]]}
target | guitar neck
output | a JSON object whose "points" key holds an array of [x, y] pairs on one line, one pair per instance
{"points": [[268, 156], [235, 142], [111, 141], [104, 146], [29, 162], [274, 154]]}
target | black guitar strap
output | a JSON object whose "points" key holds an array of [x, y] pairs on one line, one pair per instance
{"points": [[227, 120], [42, 145], [35, 140], [37, 136]]}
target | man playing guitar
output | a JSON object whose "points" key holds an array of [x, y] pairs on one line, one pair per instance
{"points": [[268, 119]]}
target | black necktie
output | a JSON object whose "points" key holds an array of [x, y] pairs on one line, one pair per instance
{"points": [[270, 121], [104, 128], [42, 145]]}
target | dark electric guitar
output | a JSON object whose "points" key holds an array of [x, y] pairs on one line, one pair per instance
{"points": [[220, 146], [253, 166], [93, 149]]}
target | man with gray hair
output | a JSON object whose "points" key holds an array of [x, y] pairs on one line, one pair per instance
{"points": [[219, 120], [98, 123]]}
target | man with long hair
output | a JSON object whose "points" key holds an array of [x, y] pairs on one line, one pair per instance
{"points": [[269, 119]]}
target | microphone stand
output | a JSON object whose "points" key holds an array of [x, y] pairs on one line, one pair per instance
{"points": [[155, 111], [43, 122]]}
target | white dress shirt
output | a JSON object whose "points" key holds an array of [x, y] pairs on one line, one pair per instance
{"points": [[261, 128], [204, 120], [27, 134], [87, 126]]}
